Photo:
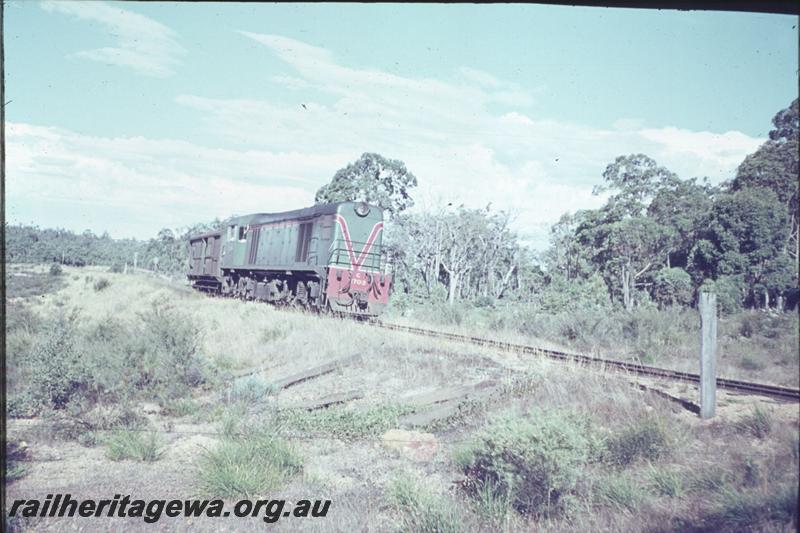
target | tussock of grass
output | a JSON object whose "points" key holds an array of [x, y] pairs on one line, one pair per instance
{"points": [[422, 511], [758, 423], [619, 491], [645, 439], [136, 445], [737, 510], [247, 465], [180, 407], [494, 507], [231, 419], [666, 481], [712, 479]]}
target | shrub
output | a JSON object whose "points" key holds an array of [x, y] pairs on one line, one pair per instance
{"points": [[654, 334], [16, 455], [101, 284], [56, 365], [20, 317], [423, 511], [729, 291], [752, 362], [250, 389], [673, 286], [756, 323], [533, 461], [116, 268], [562, 295], [132, 444], [247, 465], [167, 351], [113, 362], [646, 439], [55, 269]]}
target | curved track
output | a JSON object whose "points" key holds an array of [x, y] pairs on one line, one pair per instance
{"points": [[759, 389]]}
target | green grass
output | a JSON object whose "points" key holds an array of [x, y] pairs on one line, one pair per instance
{"points": [[713, 479], [737, 510], [422, 511], [666, 482], [344, 423], [494, 507], [15, 471], [142, 446], [644, 439], [26, 284], [619, 491], [180, 407], [249, 465]]}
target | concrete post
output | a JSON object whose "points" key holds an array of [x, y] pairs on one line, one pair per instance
{"points": [[708, 354]]}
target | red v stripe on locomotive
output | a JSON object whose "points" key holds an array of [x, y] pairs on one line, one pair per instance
{"points": [[357, 262]]}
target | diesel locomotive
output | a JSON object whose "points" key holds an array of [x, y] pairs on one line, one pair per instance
{"points": [[326, 257]]}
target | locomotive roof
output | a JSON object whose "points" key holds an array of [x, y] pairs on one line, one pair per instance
{"points": [[307, 212], [265, 218]]}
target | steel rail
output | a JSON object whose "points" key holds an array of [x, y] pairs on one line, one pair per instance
{"points": [[760, 389]]}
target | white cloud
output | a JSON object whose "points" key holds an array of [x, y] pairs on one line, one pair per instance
{"points": [[459, 148], [141, 43], [150, 183], [449, 134]]}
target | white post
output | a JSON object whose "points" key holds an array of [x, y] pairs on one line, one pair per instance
{"points": [[708, 354]]}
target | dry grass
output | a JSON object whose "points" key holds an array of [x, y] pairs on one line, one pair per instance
{"points": [[655, 468], [753, 345]]}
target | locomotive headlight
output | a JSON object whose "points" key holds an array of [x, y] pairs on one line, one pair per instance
{"points": [[361, 209]]}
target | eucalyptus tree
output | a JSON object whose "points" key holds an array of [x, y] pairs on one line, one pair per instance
{"points": [[373, 179]]}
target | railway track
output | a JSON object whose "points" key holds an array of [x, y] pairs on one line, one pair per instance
{"points": [[746, 387]]}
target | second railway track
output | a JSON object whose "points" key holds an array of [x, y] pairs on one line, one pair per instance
{"points": [[759, 389]]}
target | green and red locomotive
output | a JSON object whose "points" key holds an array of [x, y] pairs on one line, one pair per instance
{"points": [[325, 257]]}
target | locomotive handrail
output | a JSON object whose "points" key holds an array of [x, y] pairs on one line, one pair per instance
{"points": [[340, 256]]}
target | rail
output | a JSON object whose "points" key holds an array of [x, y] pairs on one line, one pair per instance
{"points": [[760, 389]]}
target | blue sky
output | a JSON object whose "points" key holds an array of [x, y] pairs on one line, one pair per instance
{"points": [[130, 117]]}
